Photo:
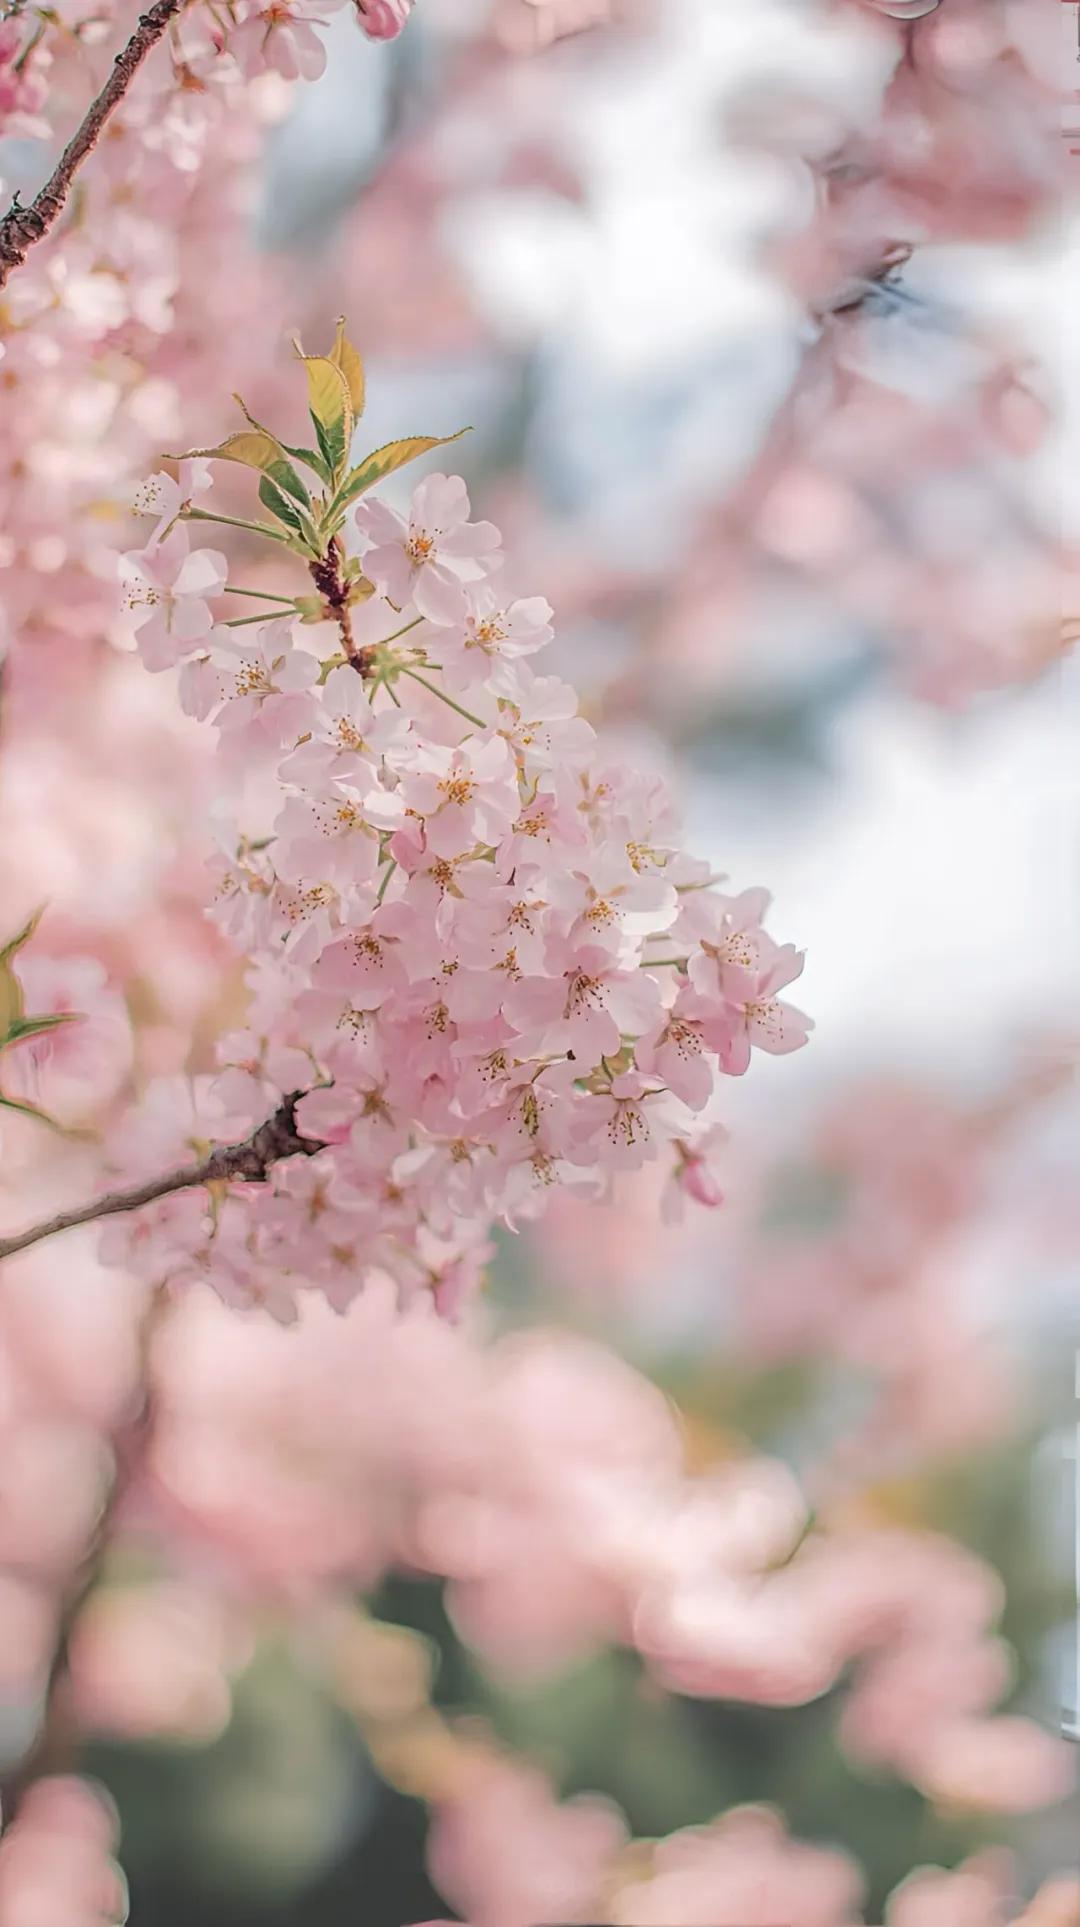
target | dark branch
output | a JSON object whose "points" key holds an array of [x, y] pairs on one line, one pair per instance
{"points": [[329, 578], [249, 1161], [22, 227]]}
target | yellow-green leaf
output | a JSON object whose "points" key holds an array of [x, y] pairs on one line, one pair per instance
{"points": [[331, 406], [253, 447], [384, 461], [14, 944], [348, 359]]}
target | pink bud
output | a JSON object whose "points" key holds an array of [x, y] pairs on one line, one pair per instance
{"points": [[383, 19]]}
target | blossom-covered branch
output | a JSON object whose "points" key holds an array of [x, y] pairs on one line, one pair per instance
{"points": [[473, 939], [21, 227], [250, 1161]]}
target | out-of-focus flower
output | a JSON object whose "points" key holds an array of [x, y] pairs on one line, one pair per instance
{"points": [[78, 1067], [152, 1660], [975, 1894], [281, 38], [505, 1851], [744, 1868], [1006, 1765], [383, 19], [56, 1860]]}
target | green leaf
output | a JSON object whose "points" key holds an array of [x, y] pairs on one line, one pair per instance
{"points": [[21, 937], [272, 498], [330, 458], [30, 1110], [312, 458], [23, 1027], [384, 461], [256, 448], [306, 455]]}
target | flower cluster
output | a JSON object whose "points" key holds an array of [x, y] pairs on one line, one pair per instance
{"points": [[476, 947]]}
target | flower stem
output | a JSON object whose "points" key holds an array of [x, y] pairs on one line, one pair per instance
{"points": [[433, 690], [233, 522], [262, 595], [414, 624]]}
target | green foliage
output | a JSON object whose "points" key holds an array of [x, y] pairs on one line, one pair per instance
{"points": [[335, 392], [16, 1025]]}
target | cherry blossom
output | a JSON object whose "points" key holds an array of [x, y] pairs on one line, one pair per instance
{"points": [[281, 37], [428, 557], [166, 596]]}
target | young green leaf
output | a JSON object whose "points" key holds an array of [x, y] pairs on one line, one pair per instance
{"points": [[384, 461], [22, 1027], [255, 448], [22, 936], [308, 456], [272, 498]]}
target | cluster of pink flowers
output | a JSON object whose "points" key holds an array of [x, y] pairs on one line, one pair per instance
{"points": [[278, 36], [505, 1851], [476, 948]]}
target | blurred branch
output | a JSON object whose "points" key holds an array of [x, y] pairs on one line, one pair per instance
{"points": [[250, 1161], [22, 227], [56, 1740]]}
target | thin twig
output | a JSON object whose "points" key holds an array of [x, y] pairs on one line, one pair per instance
{"points": [[250, 1161], [22, 227]]}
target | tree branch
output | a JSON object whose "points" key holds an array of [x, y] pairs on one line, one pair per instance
{"points": [[250, 1161], [22, 227], [330, 581]]}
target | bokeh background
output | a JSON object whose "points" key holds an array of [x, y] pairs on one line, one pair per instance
{"points": [[841, 646]]}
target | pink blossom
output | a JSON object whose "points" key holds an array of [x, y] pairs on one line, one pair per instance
{"points": [[463, 796], [163, 497], [78, 1067], [744, 1868], [166, 591], [262, 685], [428, 558], [975, 1894], [1008, 1765], [383, 19], [493, 633], [509, 1854], [56, 1859], [281, 37], [347, 740]]}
